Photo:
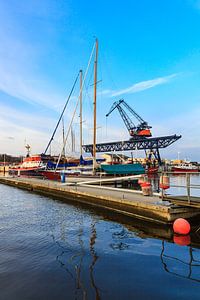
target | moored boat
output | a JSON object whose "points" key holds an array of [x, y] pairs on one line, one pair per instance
{"points": [[185, 167], [51, 175], [57, 174], [122, 169], [31, 165]]}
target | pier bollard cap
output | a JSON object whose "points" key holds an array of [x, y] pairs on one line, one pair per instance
{"points": [[145, 184], [181, 226]]}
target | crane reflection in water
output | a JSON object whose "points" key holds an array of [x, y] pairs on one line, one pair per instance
{"points": [[77, 242], [178, 258], [188, 265]]}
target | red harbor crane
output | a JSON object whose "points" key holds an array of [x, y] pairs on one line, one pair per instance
{"points": [[141, 130], [141, 137]]}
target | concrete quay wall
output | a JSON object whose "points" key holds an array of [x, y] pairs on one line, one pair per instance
{"points": [[121, 201]]}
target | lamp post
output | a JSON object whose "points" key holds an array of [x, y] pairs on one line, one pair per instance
{"points": [[178, 155]]}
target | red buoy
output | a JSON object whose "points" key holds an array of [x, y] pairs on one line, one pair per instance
{"points": [[182, 240], [181, 226]]}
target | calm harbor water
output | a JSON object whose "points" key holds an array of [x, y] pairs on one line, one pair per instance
{"points": [[53, 250]]}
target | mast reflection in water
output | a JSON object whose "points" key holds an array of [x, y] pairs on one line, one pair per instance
{"points": [[53, 250]]}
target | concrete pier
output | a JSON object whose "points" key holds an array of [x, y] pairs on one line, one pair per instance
{"points": [[122, 201]]}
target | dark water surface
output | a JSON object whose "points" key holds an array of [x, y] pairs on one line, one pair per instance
{"points": [[53, 250]]}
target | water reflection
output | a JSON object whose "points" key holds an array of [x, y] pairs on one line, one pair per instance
{"points": [[182, 240], [94, 260], [52, 250], [72, 260], [184, 266], [80, 283]]}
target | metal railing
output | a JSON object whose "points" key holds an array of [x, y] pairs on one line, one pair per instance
{"points": [[185, 184]]}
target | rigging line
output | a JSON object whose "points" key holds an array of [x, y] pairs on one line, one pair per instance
{"points": [[89, 80], [51, 139], [90, 98], [87, 93], [108, 69], [106, 129], [89, 62]]}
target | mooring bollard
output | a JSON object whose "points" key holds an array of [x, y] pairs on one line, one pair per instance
{"points": [[62, 177], [146, 189]]}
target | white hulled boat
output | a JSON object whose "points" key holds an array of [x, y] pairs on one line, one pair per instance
{"points": [[185, 167]]}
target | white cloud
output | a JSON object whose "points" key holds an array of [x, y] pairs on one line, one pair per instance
{"points": [[20, 73], [15, 145], [16, 127], [187, 125], [18, 86], [135, 88], [143, 85]]}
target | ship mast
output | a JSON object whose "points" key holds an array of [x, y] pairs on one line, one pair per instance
{"points": [[95, 111], [81, 119]]}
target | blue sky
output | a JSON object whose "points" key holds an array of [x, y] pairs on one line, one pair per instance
{"points": [[149, 54]]}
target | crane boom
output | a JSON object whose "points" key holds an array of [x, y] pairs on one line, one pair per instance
{"points": [[142, 129], [129, 124], [133, 112], [115, 104]]}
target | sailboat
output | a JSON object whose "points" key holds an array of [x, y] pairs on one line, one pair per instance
{"points": [[89, 166], [70, 169]]}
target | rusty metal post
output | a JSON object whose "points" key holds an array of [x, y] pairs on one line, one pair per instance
{"points": [[188, 186], [162, 185]]}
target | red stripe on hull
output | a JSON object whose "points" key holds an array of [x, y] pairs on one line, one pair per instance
{"points": [[185, 170], [51, 175]]}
